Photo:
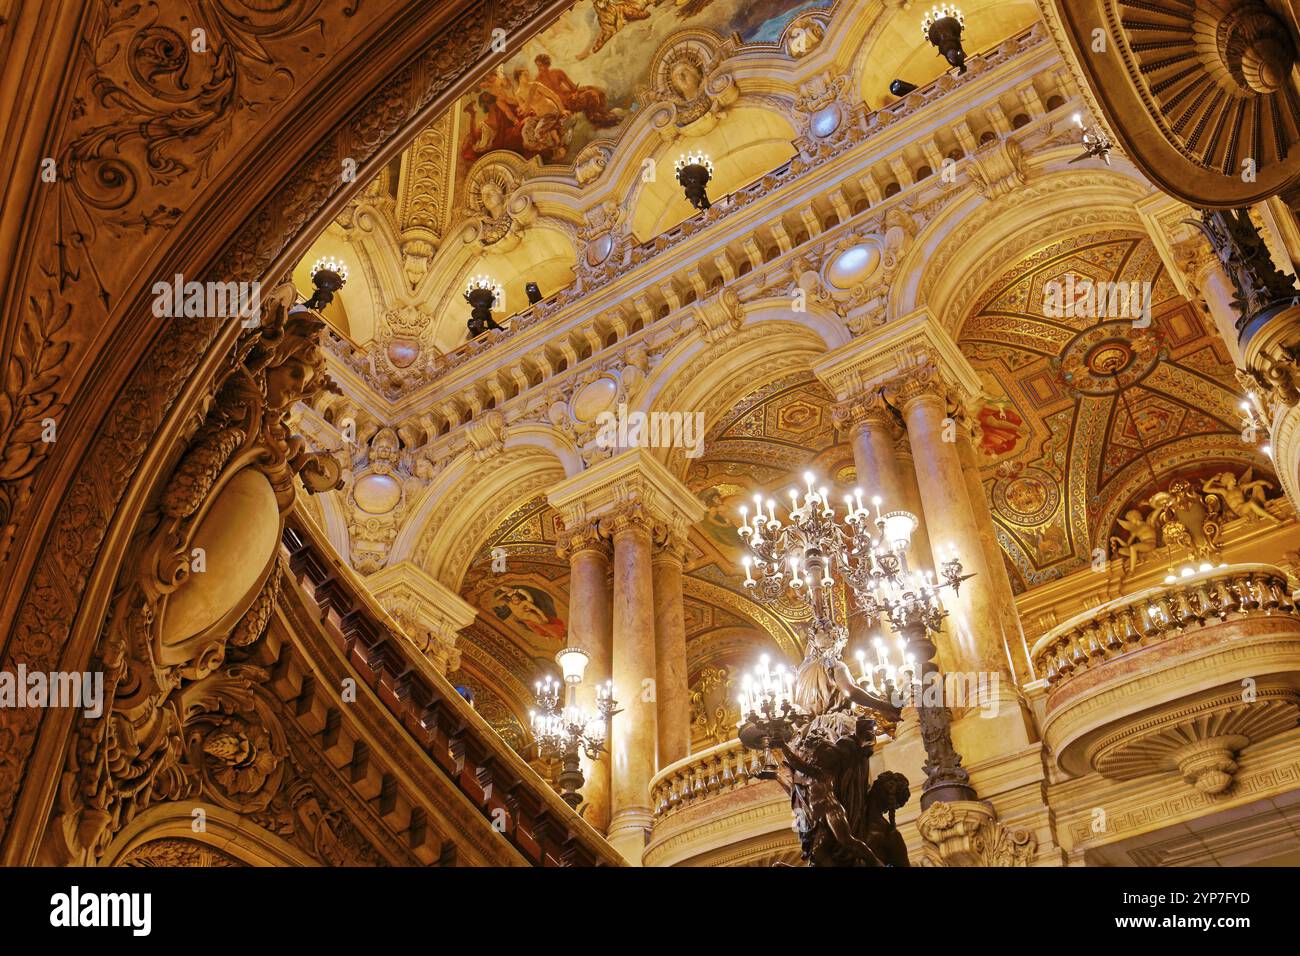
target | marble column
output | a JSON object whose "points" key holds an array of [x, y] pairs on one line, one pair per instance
{"points": [[919, 553], [974, 639], [633, 496], [872, 431], [1208, 278], [1013, 635], [972, 644], [634, 734], [672, 686], [590, 629]]}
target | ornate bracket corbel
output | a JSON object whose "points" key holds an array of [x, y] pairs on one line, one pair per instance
{"points": [[967, 833]]}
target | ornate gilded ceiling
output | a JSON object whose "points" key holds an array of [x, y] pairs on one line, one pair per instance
{"points": [[1077, 406]]}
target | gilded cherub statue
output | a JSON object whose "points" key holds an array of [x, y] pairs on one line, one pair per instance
{"points": [[1142, 537], [1244, 494]]}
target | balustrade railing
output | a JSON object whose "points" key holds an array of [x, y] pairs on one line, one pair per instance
{"points": [[1117, 627], [471, 756], [719, 769]]}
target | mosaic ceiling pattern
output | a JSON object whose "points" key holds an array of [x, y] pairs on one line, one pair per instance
{"points": [[1082, 409]]}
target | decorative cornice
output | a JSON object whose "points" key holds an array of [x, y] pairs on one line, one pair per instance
{"points": [[628, 489], [910, 353]]}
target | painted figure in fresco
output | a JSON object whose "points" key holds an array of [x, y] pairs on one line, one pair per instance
{"points": [[589, 100], [531, 607], [493, 124], [999, 429], [612, 16], [721, 518], [1244, 496], [544, 128], [1141, 539]]}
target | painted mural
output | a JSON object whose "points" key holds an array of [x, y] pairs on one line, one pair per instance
{"points": [[581, 79], [530, 608]]}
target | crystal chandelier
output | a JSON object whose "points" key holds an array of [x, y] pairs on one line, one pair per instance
{"points": [[566, 730], [818, 557], [816, 551]]}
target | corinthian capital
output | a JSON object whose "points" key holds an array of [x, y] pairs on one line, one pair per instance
{"points": [[630, 490], [581, 534], [670, 539], [866, 410], [924, 381]]}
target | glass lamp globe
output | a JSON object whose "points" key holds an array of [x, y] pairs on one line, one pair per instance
{"points": [[898, 528], [573, 664]]}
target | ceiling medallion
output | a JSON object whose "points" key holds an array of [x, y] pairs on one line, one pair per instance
{"points": [[1028, 498], [1108, 357]]}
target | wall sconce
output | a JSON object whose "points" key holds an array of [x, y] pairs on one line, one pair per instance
{"points": [[328, 276], [1095, 142], [943, 27], [482, 294], [694, 171]]}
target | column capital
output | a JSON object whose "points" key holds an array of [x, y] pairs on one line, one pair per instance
{"points": [[630, 489], [900, 348], [670, 542], [429, 613], [866, 410], [583, 535]]}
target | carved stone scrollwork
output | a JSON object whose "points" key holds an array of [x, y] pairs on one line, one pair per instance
{"points": [[713, 707], [605, 235], [967, 833], [501, 213], [719, 315], [829, 118], [867, 410], [180, 716], [688, 92], [998, 168], [923, 380]]}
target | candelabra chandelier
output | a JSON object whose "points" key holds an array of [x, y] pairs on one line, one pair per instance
{"points": [[483, 295], [328, 276], [943, 27], [1254, 423], [811, 556], [694, 172], [816, 551], [566, 730], [1094, 139]]}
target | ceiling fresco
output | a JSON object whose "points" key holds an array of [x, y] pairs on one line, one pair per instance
{"points": [[1081, 410], [584, 77]]}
